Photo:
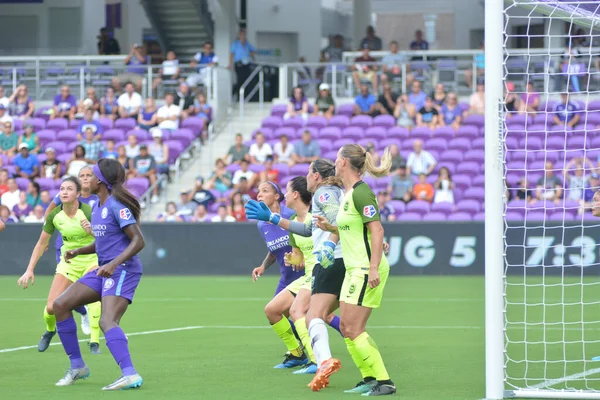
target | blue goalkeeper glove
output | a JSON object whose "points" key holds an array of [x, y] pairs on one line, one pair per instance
{"points": [[325, 254], [260, 211]]}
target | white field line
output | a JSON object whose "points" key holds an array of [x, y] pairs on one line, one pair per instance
{"points": [[266, 299], [552, 382]]}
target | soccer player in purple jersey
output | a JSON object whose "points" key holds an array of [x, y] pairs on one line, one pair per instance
{"points": [[89, 321], [115, 223]]}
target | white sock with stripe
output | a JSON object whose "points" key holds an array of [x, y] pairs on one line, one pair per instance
{"points": [[319, 337]]}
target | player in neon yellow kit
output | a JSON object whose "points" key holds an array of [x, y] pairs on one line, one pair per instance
{"points": [[72, 220], [360, 231]]}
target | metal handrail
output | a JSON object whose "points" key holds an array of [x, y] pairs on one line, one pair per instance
{"points": [[260, 87]]}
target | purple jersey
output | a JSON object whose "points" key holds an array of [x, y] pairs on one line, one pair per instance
{"points": [[108, 222], [64, 104], [278, 243], [91, 200]]}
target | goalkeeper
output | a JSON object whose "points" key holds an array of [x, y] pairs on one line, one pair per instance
{"points": [[328, 274]]}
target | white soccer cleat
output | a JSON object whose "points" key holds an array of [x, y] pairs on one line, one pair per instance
{"points": [[126, 382], [72, 375], [85, 324]]}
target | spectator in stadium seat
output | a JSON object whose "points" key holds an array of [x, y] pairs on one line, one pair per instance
{"points": [[423, 190], [200, 215], [4, 100], [523, 193], [444, 187], [236, 208], [109, 105], [64, 105], [297, 105], [22, 106], [168, 115], [4, 117], [31, 139], [123, 159], [324, 103], [93, 148], [160, 151], [530, 100], [392, 66], [36, 216], [371, 41], [269, 173], [386, 103], [238, 151], [129, 102], [241, 55], [3, 181], [385, 210], [222, 215], [401, 184], [397, 158], [201, 195], [549, 186], [135, 61], [34, 197], [365, 103], [439, 96], [110, 151], [185, 100], [203, 111], [284, 151], [479, 66], [246, 189], [566, 112], [11, 196], [428, 115], [364, 70], [451, 114], [26, 164], [220, 179], [200, 63], [107, 45], [21, 209], [419, 43], [404, 112], [78, 161], [45, 199], [243, 172], [144, 166], [8, 140], [333, 53], [260, 150], [132, 148], [147, 118], [306, 150], [169, 69], [5, 216], [578, 180], [171, 214], [51, 167], [417, 96], [477, 101], [91, 101], [511, 100], [420, 161], [186, 206], [88, 122]]}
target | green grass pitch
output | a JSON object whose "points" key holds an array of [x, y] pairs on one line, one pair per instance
{"points": [[429, 330]]}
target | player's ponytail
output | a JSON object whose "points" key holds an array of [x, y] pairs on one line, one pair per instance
{"points": [[326, 169], [114, 173], [361, 160], [298, 184]]}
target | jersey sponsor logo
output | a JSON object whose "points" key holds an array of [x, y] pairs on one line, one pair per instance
{"points": [[346, 206], [124, 213], [104, 212], [369, 211], [109, 283], [324, 197], [344, 228], [99, 230]]}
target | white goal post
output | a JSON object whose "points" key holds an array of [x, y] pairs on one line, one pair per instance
{"points": [[542, 277]]}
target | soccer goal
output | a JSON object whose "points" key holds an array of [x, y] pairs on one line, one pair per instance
{"points": [[542, 244]]}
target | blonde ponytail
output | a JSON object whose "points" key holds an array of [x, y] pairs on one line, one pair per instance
{"points": [[385, 164], [362, 161]]}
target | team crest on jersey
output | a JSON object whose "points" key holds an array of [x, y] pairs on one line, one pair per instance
{"points": [[352, 288], [91, 203], [369, 211], [124, 213], [346, 206], [109, 283], [104, 213], [324, 197]]}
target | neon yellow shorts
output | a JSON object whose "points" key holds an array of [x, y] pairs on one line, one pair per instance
{"points": [[356, 290], [304, 282], [78, 267]]}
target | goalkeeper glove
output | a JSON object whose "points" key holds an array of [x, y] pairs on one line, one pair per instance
{"points": [[260, 211], [325, 254]]}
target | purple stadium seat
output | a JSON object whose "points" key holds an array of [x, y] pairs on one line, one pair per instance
{"points": [[512, 143], [463, 107], [480, 216], [376, 132], [115, 134], [469, 206], [288, 131], [474, 155], [22, 183], [57, 124], [531, 143], [60, 147], [434, 216], [556, 142], [41, 157], [185, 136], [460, 144], [388, 142], [542, 119], [386, 121], [345, 109], [364, 142], [560, 216], [46, 183], [451, 156], [513, 216], [256, 167], [469, 168], [398, 206], [577, 143], [299, 169], [364, 121], [272, 122], [317, 121], [295, 122], [479, 181], [195, 124], [408, 144], [444, 132], [474, 193], [18, 125], [339, 121], [468, 132], [398, 132], [142, 134], [107, 123], [125, 123], [73, 124], [459, 216], [278, 110], [476, 120], [443, 207], [67, 135], [461, 182], [409, 216], [325, 144], [37, 123], [353, 132], [342, 142], [436, 144], [535, 216], [175, 150], [418, 206], [71, 146], [593, 105], [422, 133], [331, 133], [45, 136], [330, 155]]}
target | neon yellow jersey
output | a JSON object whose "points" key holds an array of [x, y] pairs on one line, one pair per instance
{"points": [[305, 245], [359, 207]]}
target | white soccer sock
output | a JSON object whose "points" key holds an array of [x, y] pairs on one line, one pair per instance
{"points": [[319, 337]]}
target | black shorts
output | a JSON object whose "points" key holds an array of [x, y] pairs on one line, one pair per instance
{"points": [[329, 280]]}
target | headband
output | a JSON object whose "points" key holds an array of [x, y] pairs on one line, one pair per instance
{"points": [[277, 189], [101, 177]]}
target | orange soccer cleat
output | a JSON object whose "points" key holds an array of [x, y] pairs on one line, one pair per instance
{"points": [[321, 379]]}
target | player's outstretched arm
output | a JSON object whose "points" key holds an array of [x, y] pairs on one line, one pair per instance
{"points": [[260, 211]]}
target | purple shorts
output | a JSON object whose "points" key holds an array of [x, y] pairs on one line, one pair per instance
{"points": [[58, 256], [283, 283], [122, 283]]}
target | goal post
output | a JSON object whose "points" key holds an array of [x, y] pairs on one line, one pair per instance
{"points": [[542, 257]]}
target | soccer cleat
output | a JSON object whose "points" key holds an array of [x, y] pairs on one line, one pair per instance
{"points": [[321, 379], [72, 375], [362, 387], [291, 361], [310, 368], [95, 348], [45, 341], [126, 382], [85, 324], [381, 389]]}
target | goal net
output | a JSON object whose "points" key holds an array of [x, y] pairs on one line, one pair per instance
{"points": [[550, 126]]}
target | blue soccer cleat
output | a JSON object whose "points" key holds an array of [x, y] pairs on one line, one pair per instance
{"points": [[309, 369], [291, 361]]}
